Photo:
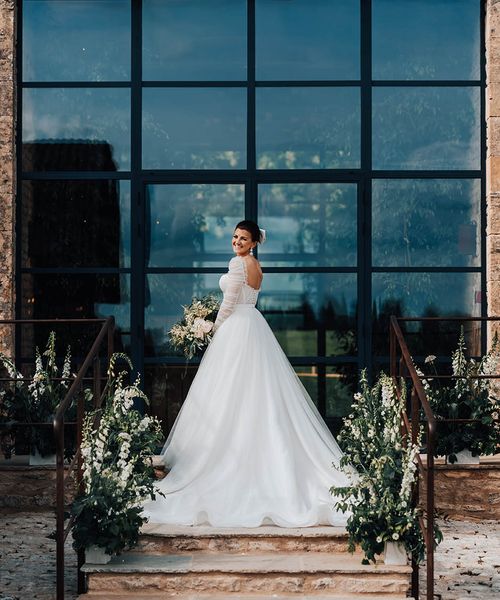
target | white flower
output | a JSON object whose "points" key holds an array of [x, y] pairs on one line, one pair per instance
{"points": [[395, 536], [430, 358], [379, 539]]}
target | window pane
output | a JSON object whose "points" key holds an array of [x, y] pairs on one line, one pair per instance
{"points": [[165, 294], [426, 128], [79, 296], [308, 128], [167, 388], [307, 40], [429, 39], [426, 222], [311, 314], [83, 40], [194, 40], [76, 129], [341, 384], [82, 223], [192, 225], [194, 128], [423, 295], [311, 224]]}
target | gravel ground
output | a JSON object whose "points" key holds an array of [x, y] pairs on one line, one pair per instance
{"points": [[467, 562], [28, 557]]}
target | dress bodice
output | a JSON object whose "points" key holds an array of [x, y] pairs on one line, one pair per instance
{"points": [[247, 294], [236, 290]]}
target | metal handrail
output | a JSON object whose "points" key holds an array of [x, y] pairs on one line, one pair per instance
{"points": [[418, 400], [106, 332], [92, 359], [412, 426]]}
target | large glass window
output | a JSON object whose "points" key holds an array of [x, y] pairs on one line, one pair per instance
{"points": [[149, 128]]}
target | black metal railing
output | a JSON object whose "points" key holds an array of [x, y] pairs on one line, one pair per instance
{"points": [[402, 368], [89, 371]]}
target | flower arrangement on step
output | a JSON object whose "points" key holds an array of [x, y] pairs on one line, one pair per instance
{"points": [[380, 501], [37, 401], [194, 332], [118, 473], [467, 397]]}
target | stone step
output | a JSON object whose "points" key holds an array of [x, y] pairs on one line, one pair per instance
{"points": [[279, 573], [169, 539], [235, 596]]}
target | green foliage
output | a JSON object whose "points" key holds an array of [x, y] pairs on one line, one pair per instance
{"points": [[469, 397], [117, 469], [379, 500], [37, 402]]}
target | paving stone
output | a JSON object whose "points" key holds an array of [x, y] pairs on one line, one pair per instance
{"points": [[28, 557], [467, 562]]}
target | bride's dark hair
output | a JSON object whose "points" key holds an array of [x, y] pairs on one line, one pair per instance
{"points": [[252, 228]]}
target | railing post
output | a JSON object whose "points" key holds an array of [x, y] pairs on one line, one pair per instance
{"points": [[415, 428], [59, 438], [431, 432], [79, 481]]}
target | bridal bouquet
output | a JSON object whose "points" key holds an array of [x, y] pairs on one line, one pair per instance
{"points": [[195, 330]]}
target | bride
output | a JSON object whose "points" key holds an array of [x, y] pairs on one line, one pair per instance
{"points": [[248, 447]]}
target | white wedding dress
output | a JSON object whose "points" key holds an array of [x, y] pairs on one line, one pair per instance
{"points": [[248, 447]]}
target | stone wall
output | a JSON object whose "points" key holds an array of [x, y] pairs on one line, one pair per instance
{"points": [[23, 487], [467, 492], [493, 158], [7, 169]]}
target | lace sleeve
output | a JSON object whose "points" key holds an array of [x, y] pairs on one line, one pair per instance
{"points": [[235, 281]]}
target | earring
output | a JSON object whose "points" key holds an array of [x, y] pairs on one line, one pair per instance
{"points": [[251, 251]]}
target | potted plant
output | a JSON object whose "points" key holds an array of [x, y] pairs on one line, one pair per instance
{"points": [[382, 517], [467, 397], [37, 401], [118, 474]]}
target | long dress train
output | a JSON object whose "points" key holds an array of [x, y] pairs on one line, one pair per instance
{"points": [[248, 446]]}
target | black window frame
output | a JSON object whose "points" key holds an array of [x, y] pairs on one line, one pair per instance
{"points": [[251, 177]]}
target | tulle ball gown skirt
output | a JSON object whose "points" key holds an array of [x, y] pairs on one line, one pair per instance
{"points": [[248, 447]]}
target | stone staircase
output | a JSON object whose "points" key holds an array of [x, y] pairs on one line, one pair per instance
{"points": [[242, 564]]}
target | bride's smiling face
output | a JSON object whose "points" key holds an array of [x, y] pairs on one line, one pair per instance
{"points": [[242, 242]]}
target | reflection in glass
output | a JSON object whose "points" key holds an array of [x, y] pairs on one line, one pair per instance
{"points": [[333, 385], [167, 388], [311, 314], [165, 295], [428, 39], [194, 40], [186, 128], [426, 222], [307, 39], [78, 296], [308, 128], [309, 224], [76, 129], [84, 223], [423, 295], [192, 225], [426, 128], [88, 40]]}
